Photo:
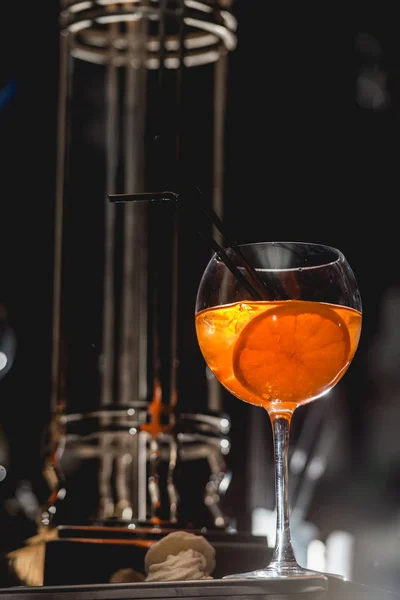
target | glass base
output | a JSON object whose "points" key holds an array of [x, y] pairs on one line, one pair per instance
{"points": [[275, 570]]}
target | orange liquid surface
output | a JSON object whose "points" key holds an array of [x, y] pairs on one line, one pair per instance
{"points": [[278, 354]]}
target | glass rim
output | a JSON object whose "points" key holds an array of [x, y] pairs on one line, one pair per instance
{"points": [[338, 254]]}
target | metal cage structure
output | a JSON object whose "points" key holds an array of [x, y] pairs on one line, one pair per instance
{"points": [[129, 71]]}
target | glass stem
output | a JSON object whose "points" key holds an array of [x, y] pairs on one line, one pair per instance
{"points": [[283, 556]]}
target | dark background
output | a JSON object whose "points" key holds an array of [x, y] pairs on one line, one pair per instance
{"points": [[311, 154]]}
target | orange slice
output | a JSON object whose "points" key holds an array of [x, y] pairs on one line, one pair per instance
{"points": [[292, 353]]}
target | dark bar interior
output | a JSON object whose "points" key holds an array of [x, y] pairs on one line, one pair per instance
{"points": [[114, 432]]}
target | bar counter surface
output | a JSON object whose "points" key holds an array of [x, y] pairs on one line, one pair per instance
{"points": [[318, 588]]}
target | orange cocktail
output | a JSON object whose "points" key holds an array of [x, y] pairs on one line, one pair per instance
{"points": [[279, 323], [278, 354]]}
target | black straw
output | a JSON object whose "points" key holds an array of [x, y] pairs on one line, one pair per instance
{"points": [[254, 284], [257, 283]]}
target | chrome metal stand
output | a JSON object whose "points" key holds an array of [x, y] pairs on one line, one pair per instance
{"points": [[118, 432]]}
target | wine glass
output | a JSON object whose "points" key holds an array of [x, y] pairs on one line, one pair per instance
{"points": [[281, 348]]}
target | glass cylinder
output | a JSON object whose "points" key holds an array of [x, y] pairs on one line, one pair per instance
{"points": [[142, 95]]}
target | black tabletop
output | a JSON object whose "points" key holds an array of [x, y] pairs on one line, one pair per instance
{"points": [[318, 588]]}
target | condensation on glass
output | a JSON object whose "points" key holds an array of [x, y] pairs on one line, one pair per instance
{"points": [[130, 73]]}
